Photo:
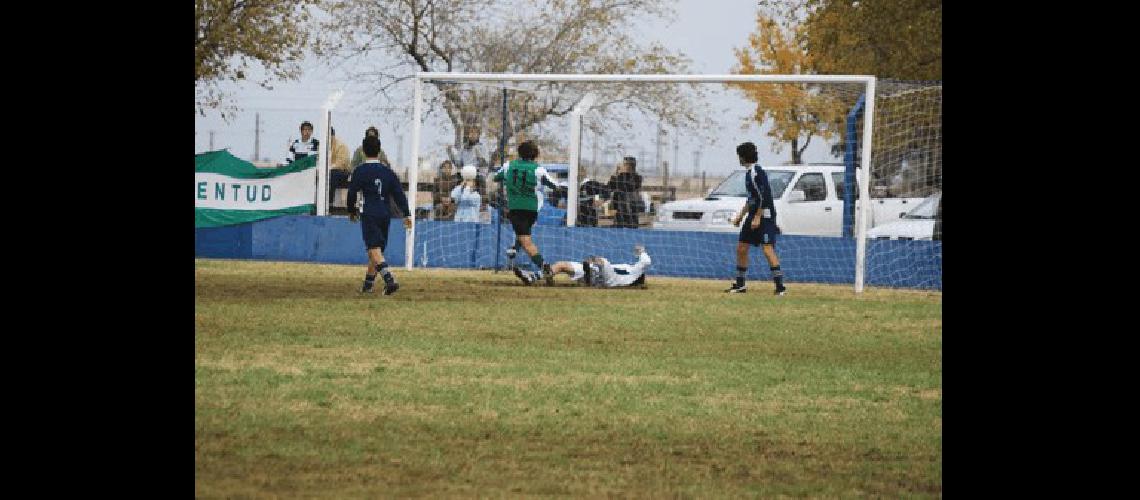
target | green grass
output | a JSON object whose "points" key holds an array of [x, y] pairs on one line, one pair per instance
{"points": [[467, 384]]}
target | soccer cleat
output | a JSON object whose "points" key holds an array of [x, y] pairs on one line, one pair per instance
{"points": [[390, 288], [781, 291], [367, 288], [548, 275], [640, 282], [524, 276], [737, 288]]}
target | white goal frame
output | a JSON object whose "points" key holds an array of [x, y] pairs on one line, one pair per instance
{"points": [[575, 146]]}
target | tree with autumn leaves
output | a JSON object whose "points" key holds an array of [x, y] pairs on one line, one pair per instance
{"points": [[799, 112], [891, 39]]}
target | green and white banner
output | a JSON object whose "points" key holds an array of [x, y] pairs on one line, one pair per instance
{"points": [[228, 190]]}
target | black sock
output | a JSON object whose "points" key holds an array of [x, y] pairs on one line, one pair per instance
{"points": [[778, 277], [369, 280], [537, 259], [740, 272], [388, 278]]}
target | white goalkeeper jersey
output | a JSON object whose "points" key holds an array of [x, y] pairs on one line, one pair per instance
{"points": [[624, 274], [615, 275]]}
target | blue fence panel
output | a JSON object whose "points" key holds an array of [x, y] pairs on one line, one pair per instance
{"points": [[909, 264]]}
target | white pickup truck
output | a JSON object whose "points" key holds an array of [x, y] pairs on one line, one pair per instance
{"points": [[812, 206]]}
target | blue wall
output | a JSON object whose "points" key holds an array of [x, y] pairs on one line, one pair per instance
{"points": [[904, 264]]}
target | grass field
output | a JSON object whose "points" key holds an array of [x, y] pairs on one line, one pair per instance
{"points": [[465, 383]]}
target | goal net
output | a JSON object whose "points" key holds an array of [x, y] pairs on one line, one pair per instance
{"points": [[651, 160]]}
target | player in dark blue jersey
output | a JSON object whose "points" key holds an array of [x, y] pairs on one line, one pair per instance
{"points": [[378, 184], [759, 214]]}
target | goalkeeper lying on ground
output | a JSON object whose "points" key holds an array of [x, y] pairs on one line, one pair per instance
{"points": [[597, 271]]}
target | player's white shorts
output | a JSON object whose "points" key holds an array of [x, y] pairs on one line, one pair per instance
{"points": [[579, 272]]}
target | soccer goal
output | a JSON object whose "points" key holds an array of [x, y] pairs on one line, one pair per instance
{"points": [[650, 160]]}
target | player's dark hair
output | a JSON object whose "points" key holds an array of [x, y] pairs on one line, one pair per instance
{"points": [[747, 152], [631, 161], [372, 131], [306, 124], [371, 147], [528, 151]]}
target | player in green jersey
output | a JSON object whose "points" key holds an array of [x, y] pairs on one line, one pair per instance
{"points": [[520, 179]]}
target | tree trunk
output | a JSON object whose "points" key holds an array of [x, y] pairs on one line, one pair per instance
{"points": [[800, 154]]}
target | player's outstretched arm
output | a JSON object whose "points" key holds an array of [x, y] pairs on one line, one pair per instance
{"points": [[562, 267]]}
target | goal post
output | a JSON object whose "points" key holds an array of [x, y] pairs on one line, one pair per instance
{"points": [[865, 187], [580, 109], [866, 84]]}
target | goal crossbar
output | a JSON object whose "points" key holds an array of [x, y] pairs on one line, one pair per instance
{"points": [[538, 77]]}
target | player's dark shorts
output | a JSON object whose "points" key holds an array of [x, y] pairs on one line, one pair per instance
{"points": [[522, 221], [764, 235], [375, 231]]}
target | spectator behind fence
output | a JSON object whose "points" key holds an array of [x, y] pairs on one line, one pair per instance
{"points": [[480, 183], [467, 197], [473, 152], [358, 156], [443, 206], [590, 194], [339, 169], [305, 146], [624, 187]]}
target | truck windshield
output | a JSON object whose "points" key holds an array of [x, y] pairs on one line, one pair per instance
{"points": [[734, 184], [926, 209]]}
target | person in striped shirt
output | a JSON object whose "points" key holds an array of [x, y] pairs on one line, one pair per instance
{"points": [[305, 146]]}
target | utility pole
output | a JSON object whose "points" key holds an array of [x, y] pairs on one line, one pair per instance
{"points": [[657, 157], [399, 152], [257, 137], [676, 142], [696, 162], [211, 140]]}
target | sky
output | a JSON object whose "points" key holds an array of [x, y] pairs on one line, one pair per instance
{"points": [[706, 31]]}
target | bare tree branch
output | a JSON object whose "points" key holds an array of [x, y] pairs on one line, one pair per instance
{"points": [[574, 36]]}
